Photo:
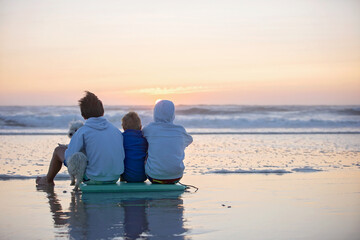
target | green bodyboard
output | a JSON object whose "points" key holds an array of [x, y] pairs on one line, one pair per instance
{"points": [[130, 187]]}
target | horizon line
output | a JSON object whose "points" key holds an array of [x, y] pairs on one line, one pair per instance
{"points": [[195, 104]]}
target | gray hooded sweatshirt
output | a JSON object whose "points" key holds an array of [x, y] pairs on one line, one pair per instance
{"points": [[167, 143]]}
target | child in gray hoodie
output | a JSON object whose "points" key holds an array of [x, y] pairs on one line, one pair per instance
{"points": [[167, 143]]}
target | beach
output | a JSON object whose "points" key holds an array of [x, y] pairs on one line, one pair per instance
{"points": [[251, 186], [268, 90]]}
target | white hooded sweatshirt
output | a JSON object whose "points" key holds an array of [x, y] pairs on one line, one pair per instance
{"points": [[102, 143], [167, 143]]}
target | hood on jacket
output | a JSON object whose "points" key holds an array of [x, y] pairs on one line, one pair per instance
{"points": [[164, 111], [98, 123]]}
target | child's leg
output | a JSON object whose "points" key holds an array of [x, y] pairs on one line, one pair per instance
{"points": [[55, 166]]}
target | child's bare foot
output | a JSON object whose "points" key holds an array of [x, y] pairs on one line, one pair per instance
{"points": [[43, 181]]}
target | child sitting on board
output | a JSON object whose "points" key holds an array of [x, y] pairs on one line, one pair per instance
{"points": [[135, 146], [99, 139], [167, 143]]}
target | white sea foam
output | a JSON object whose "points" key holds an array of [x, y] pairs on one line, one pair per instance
{"points": [[60, 176], [306, 169], [8, 177], [263, 171], [266, 171]]}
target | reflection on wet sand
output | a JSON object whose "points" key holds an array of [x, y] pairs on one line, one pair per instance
{"points": [[126, 215]]}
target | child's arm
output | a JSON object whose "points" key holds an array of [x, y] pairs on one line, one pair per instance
{"points": [[188, 140]]}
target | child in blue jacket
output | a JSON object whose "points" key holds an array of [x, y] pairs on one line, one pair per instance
{"points": [[135, 146]]}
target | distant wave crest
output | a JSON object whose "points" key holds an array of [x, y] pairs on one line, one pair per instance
{"points": [[195, 116]]}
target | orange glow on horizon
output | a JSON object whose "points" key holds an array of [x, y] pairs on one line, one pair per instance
{"points": [[228, 54]]}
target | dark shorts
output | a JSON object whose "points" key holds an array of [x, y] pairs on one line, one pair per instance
{"points": [[132, 179], [164, 181]]}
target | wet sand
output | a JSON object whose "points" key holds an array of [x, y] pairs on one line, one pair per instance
{"points": [[263, 203], [290, 206]]}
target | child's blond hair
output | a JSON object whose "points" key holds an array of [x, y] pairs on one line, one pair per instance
{"points": [[131, 121]]}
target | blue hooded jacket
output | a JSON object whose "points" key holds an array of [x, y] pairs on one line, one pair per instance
{"points": [[135, 146]]}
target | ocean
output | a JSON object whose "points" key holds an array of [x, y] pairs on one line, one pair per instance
{"points": [[198, 119], [263, 172]]}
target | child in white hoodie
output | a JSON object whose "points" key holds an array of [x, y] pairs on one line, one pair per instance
{"points": [[167, 143]]}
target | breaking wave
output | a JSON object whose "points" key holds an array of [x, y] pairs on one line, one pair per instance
{"points": [[241, 118]]}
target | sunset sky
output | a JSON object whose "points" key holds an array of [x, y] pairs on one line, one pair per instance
{"points": [[192, 52]]}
